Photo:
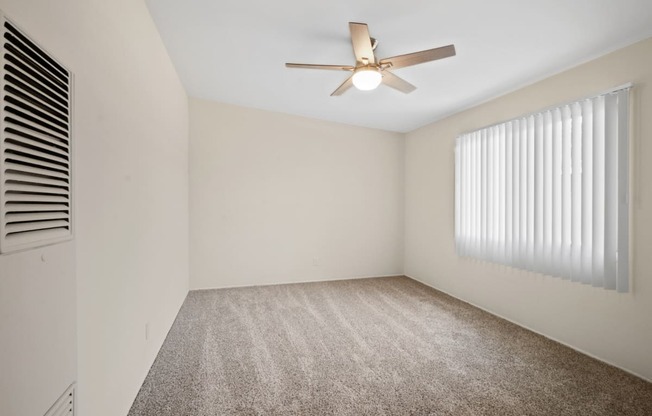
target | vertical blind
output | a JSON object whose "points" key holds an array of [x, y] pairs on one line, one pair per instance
{"points": [[548, 192]]}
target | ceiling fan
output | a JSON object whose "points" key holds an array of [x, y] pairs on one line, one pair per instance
{"points": [[369, 72]]}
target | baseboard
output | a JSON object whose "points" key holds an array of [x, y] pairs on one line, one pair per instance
{"points": [[581, 351], [297, 282]]}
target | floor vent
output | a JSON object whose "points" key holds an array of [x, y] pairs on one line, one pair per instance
{"points": [[35, 139], [65, 405]]}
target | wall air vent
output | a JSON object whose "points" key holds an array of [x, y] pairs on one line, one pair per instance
{"points": [[35, 145], [65, 405]]}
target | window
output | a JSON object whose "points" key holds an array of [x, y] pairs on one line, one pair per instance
{"points": [[548, 192]]}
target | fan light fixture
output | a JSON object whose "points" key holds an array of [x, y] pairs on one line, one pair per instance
{"points": [[369, 71], [367, 78]]}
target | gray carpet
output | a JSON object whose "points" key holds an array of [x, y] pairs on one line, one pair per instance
{"points": [[385, 346]]}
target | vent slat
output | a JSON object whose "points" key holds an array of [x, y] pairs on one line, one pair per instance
{"points": [[35, 236], [15, 167], [58, 68], [33, 77], [35, 69], [16, 115], [61, 409], [55, 199], [35, 115], [16, 88], [33, 226], [10, 156], [43, 114], [30, 170], [39, 216], [15, 131], [12, 176], [23, 43], [13, 187], [35, 154], [16, 207], [37, 145]]}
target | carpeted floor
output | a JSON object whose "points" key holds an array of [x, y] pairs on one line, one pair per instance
{"points": [[385, 346]]}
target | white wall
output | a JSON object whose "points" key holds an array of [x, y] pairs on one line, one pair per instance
{"points": [[280, 198], [615, 327], [130, 254]]}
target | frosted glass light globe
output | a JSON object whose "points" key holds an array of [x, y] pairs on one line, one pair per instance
{"points": [[367, 79]]}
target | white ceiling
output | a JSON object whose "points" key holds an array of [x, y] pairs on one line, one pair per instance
{"points": [[233, 51]]}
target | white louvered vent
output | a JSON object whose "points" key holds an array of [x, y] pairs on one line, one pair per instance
{"points": [[65, 405], [35, 139]]}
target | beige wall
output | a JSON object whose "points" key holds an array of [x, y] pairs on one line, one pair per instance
{"points": [[130, 253], [38, 359], [279, 198], [615, 327], [273, 198]]}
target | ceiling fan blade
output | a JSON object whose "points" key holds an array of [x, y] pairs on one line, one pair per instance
{"points": [[316, 66], [397, 83], [415, 58], [361, 41], [342, 88]]}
